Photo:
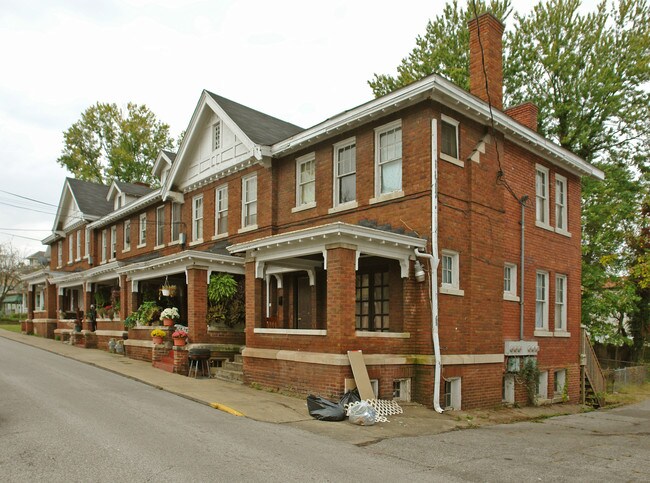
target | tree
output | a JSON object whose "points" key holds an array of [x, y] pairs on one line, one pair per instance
{"points": [[108, 143], [12, 265], [588, 74]]}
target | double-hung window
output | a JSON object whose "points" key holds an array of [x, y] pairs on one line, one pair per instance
{"points": [[197, 218], [561, 221], [560, 302], [306, 181], [176, 221], [541, 197], [160, 226], [59, 253], [541, 301], [221, 210], [70, 241], [104, 245], [449, 140], [142, 241], [127, 235], [78, 245], [450, 273], [249, 201], [345, 172], [388, 159], [87, 243], [510, 282], [113, 242]]}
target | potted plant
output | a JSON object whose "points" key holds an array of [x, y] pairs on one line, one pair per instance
{"points": [[158, 335], [146, 313], [169, 315], [180, 335]]}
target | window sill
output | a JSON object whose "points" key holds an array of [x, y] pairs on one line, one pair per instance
{"points": [[69, 263], [350, 205], [545, 226], [261, 330], [387, 197], [303, 207], [77, 260], [112, 259], [247, 228], [510, 297], [158, 247], [452, 160], [561, 333], [141, 245], [452, 291], [196, 242], [562, 232], [220, 236], [103, 262], [126, 250], [383, 335], [542, 333]]}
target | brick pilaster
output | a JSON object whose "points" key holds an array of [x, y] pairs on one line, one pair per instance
{"points": [[51, 301], [197, 303], [125, 288], [341, 276]]}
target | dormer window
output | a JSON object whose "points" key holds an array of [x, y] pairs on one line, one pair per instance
{"points": [[216, 136]]}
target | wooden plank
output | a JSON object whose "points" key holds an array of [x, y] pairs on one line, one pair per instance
{"points": [[361, 375]]}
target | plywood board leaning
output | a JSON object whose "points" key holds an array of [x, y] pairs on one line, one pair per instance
{"points": [[361, 375]]}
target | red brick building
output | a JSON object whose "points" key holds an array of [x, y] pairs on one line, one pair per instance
{"points": [[429, 228]]}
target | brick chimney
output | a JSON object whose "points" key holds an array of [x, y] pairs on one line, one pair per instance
{"points": [[490, 32], [525, 114]]}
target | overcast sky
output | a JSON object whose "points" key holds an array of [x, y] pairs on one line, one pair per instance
{"points": [[297, 60]]}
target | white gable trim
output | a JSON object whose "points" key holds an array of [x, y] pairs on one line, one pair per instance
{"points": [[67, 192]]}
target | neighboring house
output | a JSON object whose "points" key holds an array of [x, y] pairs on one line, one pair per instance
{"points": [[332, 228]]}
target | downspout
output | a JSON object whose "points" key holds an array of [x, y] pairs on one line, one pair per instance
{"points": [[433, 259], [522, 262]]}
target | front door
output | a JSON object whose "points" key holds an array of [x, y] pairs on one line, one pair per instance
{"points": [[303, 304]]}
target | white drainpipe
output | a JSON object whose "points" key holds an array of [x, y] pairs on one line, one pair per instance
{"points": [[433, 259]]}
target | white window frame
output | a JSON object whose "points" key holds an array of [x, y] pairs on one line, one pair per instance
{"points": [[175, 230], [59, 254], [302, 204], [444, 156], [455, 393], [542, 385], [450, 287], [542, 198], [104, 245], [404, 385], [160, 226], [39, 303], [379, 164], [560, 302], [70, 248], [220, 210], [197, 219], [510, 293], [247, 203], [559, 381], [216, 136], [142, 230], [350, 145], [541, 303], [87, 243], [561, 205], [78, 257], [113, 242], [127, 235]]}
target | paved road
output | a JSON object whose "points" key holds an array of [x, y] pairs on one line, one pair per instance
{"points": [[61, 420]]}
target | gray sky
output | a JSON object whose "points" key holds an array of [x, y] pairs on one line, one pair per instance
{"points": [[296, 60]]}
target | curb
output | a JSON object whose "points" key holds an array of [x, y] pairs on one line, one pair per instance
{"points": [[224, 408]]}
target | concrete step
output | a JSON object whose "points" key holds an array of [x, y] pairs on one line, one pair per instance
{"points": [[230, 376], [233, 366], [239, 358]]}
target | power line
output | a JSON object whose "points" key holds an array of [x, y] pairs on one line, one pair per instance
{"points": [[26, 229], [27, 198], [20, 236]]}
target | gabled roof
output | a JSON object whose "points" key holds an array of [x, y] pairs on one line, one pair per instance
{"points": [[165, 158], [259, 127], [90, 197], [130, 189]]}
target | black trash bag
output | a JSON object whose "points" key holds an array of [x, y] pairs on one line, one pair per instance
{"points": [[324, 410], [350, 397]]}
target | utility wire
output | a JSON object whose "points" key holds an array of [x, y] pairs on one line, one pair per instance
{"points": [[26, 229], [27, 198], [20, 236]]}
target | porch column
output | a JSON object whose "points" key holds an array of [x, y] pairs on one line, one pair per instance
{"points": [[50, 295], [88, 301], [197, 303], [124, 298], [131, 302], [341, 286], [254, 299], [30, 302]]}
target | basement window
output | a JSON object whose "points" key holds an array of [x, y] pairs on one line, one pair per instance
{"points": [[402, 389], [451, 399]]}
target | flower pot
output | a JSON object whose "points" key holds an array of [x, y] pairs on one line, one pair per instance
{"points": [[157, 340], [168, 322], [179, 341], [165, 292]]}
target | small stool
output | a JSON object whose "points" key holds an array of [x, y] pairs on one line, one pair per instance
{"points": [[199, 358]]}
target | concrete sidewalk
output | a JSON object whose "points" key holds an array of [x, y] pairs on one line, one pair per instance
{"points": [[276, 408]]}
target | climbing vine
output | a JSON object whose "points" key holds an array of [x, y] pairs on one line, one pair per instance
{"points": [[529, 377]]}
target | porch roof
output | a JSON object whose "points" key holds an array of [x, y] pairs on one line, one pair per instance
{"points": [[309, 241]]}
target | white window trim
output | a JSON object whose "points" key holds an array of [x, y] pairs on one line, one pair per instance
{"points": [[511, 294], [195, 238], [336, 206], [126, 230], [113, 252], [142, 224], [543, 224], [87, 243], [560, 276], [70, 249], [172, 223], [59, 254], [565, 229], [104, 245], [559, 376], [446, 157], [542, 331], [300, 205], [245, 202], [219, 189], [379, 196], [454, 287], [160, 227], [78, 257], [542, 382]]}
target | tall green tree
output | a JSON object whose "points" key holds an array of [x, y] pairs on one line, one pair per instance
{"points": [[108, 143], [588, 73]]}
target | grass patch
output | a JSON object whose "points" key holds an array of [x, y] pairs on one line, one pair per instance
{"points": [[11, 327], [628, 395]]}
